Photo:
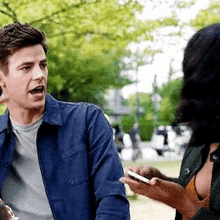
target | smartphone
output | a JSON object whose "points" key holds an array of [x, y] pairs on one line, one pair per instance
{"points": [[137, 176]]}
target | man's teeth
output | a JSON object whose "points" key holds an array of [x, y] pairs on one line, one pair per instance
{"points": [[36, 91]]}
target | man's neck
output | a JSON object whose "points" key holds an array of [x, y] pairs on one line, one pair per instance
{"points": [[26, 117]]}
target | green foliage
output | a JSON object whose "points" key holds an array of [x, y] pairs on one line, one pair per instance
{"points": [[127, 122], [84, 75], [146, 128], [2, 109], [146, 119], [87, 41], [144, 100], [166, 112], [183, 4], [114, 124], [170, 94], [207, 17]]}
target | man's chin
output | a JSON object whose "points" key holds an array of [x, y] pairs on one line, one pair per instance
{"points": [[37, 105]]}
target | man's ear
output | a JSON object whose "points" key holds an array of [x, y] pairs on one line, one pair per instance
{"points": [[2, 77], [2, 86]]}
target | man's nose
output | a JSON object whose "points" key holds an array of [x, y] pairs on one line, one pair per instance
{"points": [[38, 74]]}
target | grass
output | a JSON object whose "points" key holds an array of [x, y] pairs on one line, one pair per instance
{"points": [[142, 208], [170, 168]]}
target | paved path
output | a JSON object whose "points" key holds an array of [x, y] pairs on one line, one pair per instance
{"points": [[144, 208], [147, 209]]}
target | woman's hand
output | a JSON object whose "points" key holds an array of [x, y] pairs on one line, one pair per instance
{"points": [[161, 190], [5, 212], [147, 171]]}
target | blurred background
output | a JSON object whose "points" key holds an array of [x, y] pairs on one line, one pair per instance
{"points": [[125, 57]]}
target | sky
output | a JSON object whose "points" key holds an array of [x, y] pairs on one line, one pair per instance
{"points": [[172, 53]]}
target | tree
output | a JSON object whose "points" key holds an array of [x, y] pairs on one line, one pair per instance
{"points": [[207, 16], [85, 74], [145, 120], [87, 41], [170, 93], [144, 101], [176, 37]]}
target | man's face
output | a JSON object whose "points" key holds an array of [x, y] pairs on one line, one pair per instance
{"points": [[26, 81]]}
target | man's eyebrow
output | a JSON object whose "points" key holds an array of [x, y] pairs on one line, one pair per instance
{"points": [[43, 61], [31, 63], [25, 63]]}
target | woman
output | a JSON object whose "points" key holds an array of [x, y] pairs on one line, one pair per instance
{"points": [[196, 193]]}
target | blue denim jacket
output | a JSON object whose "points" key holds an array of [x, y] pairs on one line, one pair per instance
{"points": [[78, 160]]}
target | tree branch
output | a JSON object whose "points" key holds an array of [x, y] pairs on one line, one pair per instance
{"points": [[61, 11], [75, 33], [10, 13], [6, 13], [13, 15], [49, 16]]}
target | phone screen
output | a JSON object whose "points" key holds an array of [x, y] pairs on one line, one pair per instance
{"points": [[137, 176]]}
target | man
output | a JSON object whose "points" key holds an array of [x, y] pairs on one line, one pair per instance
{"points": [[135, 138], [58, 160]]}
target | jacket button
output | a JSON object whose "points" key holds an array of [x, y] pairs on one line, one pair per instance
{"points": [[64, 156], [187, 171], [214, 157], [71, 181], [5, 165]]}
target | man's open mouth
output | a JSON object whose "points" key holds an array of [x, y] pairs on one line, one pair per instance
{"points": [[37, 90]]}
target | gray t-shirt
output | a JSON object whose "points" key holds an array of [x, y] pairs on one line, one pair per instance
{"points": [[24, 189]]}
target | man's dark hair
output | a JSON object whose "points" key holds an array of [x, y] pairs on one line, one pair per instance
{"points": [[200, 95], [16, 36]]}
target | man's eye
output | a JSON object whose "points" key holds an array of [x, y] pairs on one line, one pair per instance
{"points": [[44, 65], [26, 68]]}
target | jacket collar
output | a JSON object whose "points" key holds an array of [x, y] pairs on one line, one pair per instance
{"points": [[214, 156], [52, 114], [4, 121]]}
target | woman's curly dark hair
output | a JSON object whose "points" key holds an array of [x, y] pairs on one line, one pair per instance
{"points": [[200, 95]]}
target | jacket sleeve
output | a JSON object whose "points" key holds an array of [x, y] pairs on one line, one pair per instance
{"points": [[206, 214], [192, 161], [105, 169]]}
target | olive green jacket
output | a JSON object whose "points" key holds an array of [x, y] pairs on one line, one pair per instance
{"points": [[193, 160]]}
